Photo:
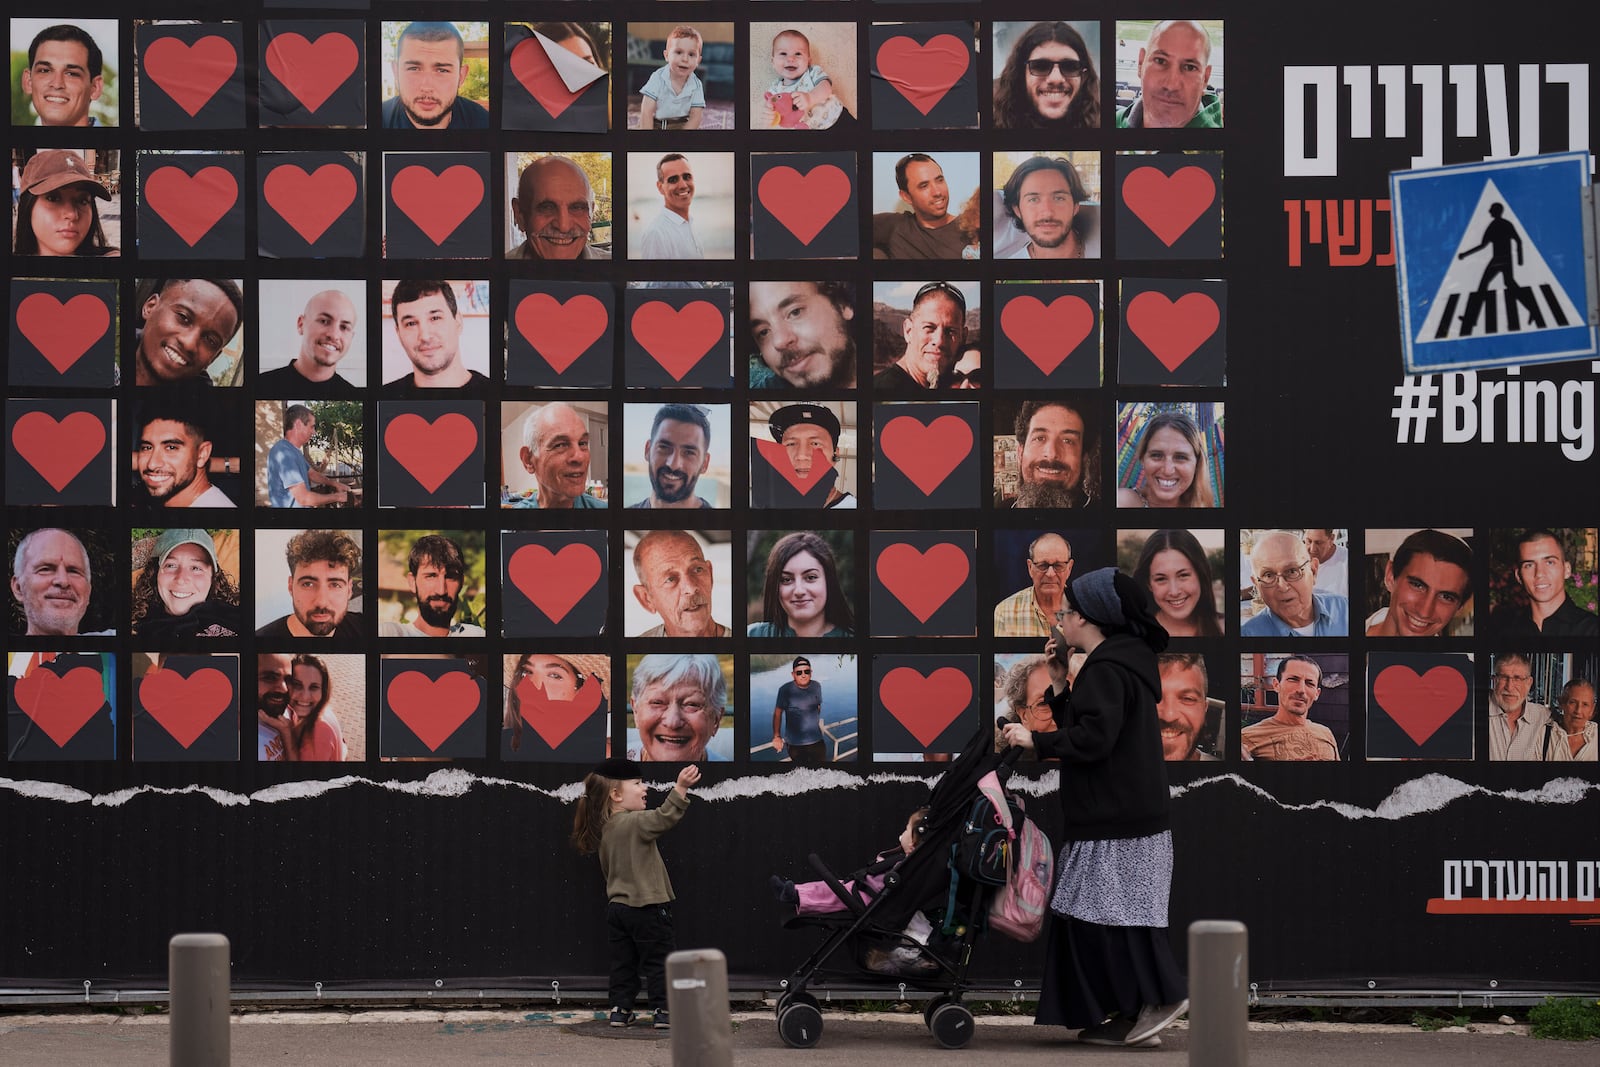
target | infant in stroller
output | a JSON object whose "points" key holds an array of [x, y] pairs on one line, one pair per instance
{"points": [[817, 898]]}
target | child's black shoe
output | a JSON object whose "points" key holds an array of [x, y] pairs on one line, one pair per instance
{"points": [[784, 890], [621, 1018], [662, 1022]]}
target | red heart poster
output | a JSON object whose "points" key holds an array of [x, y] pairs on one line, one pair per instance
{"points": [[925, 706], [312, 70], [437, 203], [555, 720], [678, 338], [1173, 329], [433, 709], [777, 457], [1419, 705], [59, 451], [561, 332], [1047, 333], [922, 581], [530, 65], [804, 203], [191, 203], [185, 706], [63, 332], [1169, 205], [61, 705], [923, 73], [190, 73], [430, 451], [310, 203], [926, 453], [554, 581]]}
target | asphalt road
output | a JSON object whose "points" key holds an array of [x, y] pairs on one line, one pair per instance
{"points": [[414, 1039]]}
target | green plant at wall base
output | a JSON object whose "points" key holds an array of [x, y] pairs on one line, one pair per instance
{"points": [[1566, 1019]]}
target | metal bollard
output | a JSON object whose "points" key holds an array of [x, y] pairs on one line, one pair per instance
{"points": [[697, 997], [197, 979], [1219, 1005]]}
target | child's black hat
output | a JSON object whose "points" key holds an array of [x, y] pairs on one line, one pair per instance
{"points": [[619, 769]]}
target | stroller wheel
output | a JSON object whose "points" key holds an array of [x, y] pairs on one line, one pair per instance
{"points": [[932, 1006], [797, 997], [800, 1024], [951, 1024]]}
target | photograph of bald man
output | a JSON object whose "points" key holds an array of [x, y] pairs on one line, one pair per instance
{"points": [[328, 330], [554, 210]]}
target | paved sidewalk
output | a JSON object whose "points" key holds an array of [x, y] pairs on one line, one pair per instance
{"points": [[579, 1039]]}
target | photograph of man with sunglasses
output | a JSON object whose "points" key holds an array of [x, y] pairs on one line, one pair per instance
{"points": [[934, 330], [1048, 80]]}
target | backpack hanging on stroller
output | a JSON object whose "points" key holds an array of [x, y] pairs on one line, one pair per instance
{"points": [[1000, 844]]}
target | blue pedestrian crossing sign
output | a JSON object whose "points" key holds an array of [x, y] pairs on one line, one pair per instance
{"points": [[1491, 263]]}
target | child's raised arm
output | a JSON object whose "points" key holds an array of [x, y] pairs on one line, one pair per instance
{"points": [[687, 777]]}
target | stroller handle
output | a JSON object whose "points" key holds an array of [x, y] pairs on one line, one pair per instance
{"points": [[849, 898], [1008, 761]]}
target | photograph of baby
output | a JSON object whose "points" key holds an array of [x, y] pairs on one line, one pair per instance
{"points": [[802, 77]]}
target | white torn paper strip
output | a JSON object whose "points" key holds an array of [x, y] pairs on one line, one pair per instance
{"points": [[1429, 793]]}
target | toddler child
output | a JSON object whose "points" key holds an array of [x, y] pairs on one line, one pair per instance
{"points": [[816, 898], [674, 99], [611, 819], [801, 96]]}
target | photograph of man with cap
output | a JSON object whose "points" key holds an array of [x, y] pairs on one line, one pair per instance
{"points": [[810, 435], [797, 718]]}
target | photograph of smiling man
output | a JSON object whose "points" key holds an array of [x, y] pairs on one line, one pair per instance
{"points": [[1419, 583], [1048, 79], [311, 338], [189, 331]]}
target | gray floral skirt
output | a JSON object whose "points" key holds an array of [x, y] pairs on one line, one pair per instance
{"points": [[1123, 881]]}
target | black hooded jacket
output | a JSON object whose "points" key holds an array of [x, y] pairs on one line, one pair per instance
{"points": [[1113, 777]]}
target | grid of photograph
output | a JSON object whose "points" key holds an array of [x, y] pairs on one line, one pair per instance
{"points": [[644, 370]]}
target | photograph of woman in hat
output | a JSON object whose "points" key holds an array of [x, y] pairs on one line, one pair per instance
{"points": [[56, 211], [556, 706], [182, 591]]}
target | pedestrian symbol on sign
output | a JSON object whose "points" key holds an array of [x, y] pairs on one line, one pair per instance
{"points": [[1491, 263], [1465, 309]]}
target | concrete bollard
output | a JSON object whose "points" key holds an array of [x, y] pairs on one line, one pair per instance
{"points": [[197, 980], [697, 997], [1219, 1002]]}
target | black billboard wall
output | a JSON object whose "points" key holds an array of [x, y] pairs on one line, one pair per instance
{"points": [[1221, 332]]}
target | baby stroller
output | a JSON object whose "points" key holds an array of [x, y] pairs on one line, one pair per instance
{"points": [[929, 880]]}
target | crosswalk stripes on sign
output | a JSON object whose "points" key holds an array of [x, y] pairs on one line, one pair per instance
{"points": [[1498, 282]]}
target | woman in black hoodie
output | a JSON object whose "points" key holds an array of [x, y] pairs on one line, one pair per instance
{"points": [[1109, 969]]}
